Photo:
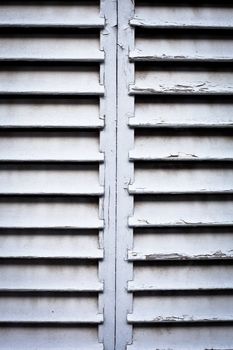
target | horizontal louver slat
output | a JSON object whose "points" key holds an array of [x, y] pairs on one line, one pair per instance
{"points": [[181, 278], [63, 81], [49, 277], [183, 17], [182, 147], [70, 14], [84, 49], [181, 246], [58, 245], [49, 180], [183, 212], [170, 180], [52, 146], [193, 114], [50, 114], [178, 338], [47, 309], [182, 82], [49, 213], [192, 50], [180, 309], [25, 338]]}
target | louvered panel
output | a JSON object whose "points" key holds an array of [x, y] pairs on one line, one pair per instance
{"points": [[44, 337], [60, 113], [47, 309], [172, 245], [60, 14], [70, 48], [178, 309], [192, 114], [50, 240], [182, 220], [168, 179], [178, 338], [50, 80], [182, 146], [189, 82], [39, 245], [54, 212], [31, 179], [52, 146], [183, 16]]}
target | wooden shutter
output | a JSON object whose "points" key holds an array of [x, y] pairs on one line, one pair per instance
{"points": [[178, 62], [52, 107]]}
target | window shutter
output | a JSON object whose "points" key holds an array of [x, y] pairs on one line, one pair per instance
{"points": [[52, 84], [178, 62]]}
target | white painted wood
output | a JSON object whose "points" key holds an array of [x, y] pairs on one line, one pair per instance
{"points": [[56, 213], [183, 17], [125, 141], [58, 81], [25, 338], [175, 309], [166, 49], [52, 146], [50, 213], [180, 338], [49, 309], [70, 14], [182, 180], [108, 144], [182, 147], [159, 278], [182, 82], [49, 180], [182, 115], [48, 277], [54, 114], [181, 246], [39, 246], [181, 213], [85, 48]]}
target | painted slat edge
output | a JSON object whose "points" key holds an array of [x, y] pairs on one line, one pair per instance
{"points": [[183, 320], [96, 193], [97, 256], [137, 90], [139, 124], [98, 125], [140, 22], [134, 157], [96, 288], [135, 287], [134, 191], [137, 56], [98, 319], [143, 223], [135, 256]]}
